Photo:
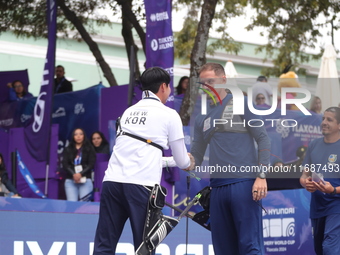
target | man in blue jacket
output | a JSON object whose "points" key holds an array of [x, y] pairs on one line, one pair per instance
{"points": [[235, 209]]}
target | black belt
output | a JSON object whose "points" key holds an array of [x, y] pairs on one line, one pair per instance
{"points": [[143, 140]]}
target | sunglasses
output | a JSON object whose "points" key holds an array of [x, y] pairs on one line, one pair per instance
{"points": [[259, 98]]}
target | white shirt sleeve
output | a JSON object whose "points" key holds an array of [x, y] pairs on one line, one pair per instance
{"points": [[168, 162], [180, 154]]}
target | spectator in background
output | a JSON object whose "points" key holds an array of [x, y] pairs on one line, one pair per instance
{"points": [[99, 142], [61, 85], [78, 163], [7, 189], [316, 105], [182, 85], [288, 80], [260, 101], [262, 87], [17, 91]]}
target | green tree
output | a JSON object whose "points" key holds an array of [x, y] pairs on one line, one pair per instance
{"points": [[196, 38], [28, 19], [291, 27], [77, 22], [132, 15]]}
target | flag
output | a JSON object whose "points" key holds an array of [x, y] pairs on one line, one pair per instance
{"points": [[28, 177], [37, 133], [159, 39]]}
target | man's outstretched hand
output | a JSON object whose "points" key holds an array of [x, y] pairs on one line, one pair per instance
{"points": [[192, 163]]}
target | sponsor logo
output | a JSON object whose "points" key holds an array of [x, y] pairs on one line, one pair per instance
{"points": [[171, 98], [154, 45], [60, 112], [279, 227], [162, 43], [332, 158], [70, 248], [159, 16], [170, 70], [7, 122], [283, 130], [79, 108], [38, 113], [25, 117]]}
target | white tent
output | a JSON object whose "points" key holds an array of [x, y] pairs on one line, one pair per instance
{"points": [[327, 88], [230, 73]]}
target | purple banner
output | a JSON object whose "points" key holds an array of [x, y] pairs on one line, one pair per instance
{"points": [[160, 52], [38, 132], [113, 102], [293, 131], [159, 38], [15, 141]]}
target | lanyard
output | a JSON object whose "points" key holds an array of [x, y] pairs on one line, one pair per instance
{"points": [[77, 160]]}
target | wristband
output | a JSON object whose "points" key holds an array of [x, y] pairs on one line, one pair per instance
{"points": [[334, 191]]}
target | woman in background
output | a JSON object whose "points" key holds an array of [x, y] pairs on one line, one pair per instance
{"points": [[7, 189], [99, 142], [316, 105], [17, 91], [182, 85], [78, 163]]}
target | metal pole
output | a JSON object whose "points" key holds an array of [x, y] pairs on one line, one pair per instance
{"points": [[132, 76], [14, 164], [187, 219]]}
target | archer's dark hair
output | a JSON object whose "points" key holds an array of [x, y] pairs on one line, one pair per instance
{"points": [[153, 77]]}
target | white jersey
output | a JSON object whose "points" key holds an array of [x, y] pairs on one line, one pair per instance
{"points": [[134, 161]]}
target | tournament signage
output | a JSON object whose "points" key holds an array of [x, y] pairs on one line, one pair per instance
{"points": [[287, 228], [159, 38], [38, 132]]}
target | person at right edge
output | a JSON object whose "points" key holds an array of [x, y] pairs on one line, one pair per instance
{"points": [[235, 206], [323, 157], [136, 164]]}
